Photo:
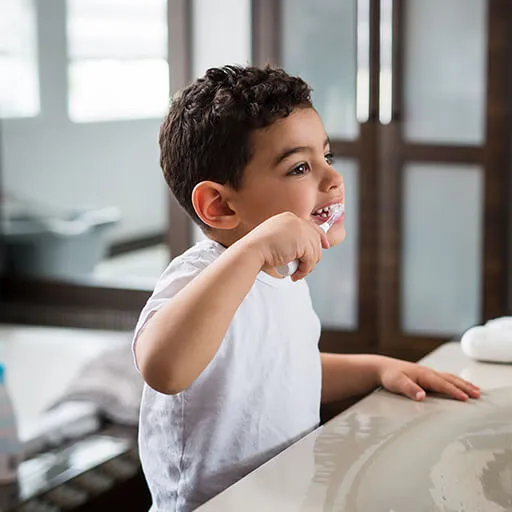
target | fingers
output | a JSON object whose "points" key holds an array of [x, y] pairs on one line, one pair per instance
{"points": [[312, 254], [447, 388], [405, 385], [444, 383], [434, 382], [413, 381], [311, 257], [449, 385], [470, 389]]}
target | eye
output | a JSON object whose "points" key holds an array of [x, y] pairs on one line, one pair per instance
{"points": [[329, 158], [300, 169]]}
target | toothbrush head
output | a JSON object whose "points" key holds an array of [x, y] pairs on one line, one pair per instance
{"points": [[337, 211]]}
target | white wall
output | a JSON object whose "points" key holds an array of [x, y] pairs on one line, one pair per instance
{"points": [[63, 164]]}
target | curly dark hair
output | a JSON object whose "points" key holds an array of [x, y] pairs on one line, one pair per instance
{"points": [[206, 134]]}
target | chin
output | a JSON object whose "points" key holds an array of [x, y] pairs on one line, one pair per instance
{"points": [[337, 237]]}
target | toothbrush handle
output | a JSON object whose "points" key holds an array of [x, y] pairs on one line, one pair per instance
{"points": [[290, 268]]}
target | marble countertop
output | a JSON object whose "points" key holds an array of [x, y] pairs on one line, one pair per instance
{"points": [[388, 453]]}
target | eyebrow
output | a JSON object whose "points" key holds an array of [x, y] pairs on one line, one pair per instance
{"points": [[298, 149]]}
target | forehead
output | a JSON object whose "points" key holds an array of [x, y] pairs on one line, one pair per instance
{"points": [[302, 128]]}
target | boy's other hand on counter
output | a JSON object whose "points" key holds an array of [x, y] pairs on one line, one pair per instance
{"points": [[414, 380]]}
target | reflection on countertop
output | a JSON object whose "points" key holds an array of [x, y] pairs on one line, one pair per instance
{"points": [[440, 455]]}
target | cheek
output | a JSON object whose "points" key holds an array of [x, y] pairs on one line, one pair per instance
{"points": [[274, 204], [270, 198], [257, 211], [301, 203]]}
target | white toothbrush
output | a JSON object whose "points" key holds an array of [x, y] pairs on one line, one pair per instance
{"points": [[336, 212]]}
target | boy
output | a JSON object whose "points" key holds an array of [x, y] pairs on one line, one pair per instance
{"points": [[228, 349]]}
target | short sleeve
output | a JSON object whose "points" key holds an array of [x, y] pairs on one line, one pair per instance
{"points": [[174, 279]]}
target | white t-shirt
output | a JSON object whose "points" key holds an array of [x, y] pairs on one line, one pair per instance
{"points": [[259, 394]]}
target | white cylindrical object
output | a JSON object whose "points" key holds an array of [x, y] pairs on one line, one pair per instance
{"points": [[502, 322], [485, 343], [288, 269]]}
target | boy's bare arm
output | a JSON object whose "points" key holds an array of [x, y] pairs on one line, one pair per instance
{"points": [[345, 376], [184, 335]]}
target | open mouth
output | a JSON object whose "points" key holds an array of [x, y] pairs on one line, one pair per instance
{"points": [[326, 211]]}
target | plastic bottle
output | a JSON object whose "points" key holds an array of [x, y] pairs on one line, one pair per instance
{"points": [[10, 447]]}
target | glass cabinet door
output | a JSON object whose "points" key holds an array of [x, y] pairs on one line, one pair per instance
{"points": [[319, 42], [444, 82]]}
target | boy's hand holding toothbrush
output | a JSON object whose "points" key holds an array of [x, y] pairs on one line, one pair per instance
{"points": [[289, 243], [291, 267]]}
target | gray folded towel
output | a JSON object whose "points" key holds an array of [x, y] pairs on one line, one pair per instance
{"points": [[111, 382]]}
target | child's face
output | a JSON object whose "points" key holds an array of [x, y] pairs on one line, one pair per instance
{"points": [[290, 170]]}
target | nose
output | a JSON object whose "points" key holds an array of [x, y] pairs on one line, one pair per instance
{"points": [[331, 179]]}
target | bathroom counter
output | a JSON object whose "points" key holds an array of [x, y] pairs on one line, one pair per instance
{"points": [[389, 453]]}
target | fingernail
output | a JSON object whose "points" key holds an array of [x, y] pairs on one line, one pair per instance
{"points": [[420, 395]]}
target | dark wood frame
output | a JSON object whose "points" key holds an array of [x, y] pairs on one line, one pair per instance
{"points": [[180, 62], [509, 236]]}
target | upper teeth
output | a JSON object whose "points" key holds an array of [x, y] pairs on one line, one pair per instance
{"points": [[324, 211]]}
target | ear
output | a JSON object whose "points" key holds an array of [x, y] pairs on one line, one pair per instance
{"points": [[211, 203]]}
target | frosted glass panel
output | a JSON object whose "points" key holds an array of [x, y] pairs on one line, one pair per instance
{"points": [[445, 71], [319, 44], [442, 248], [333, 283], [221, 33]]}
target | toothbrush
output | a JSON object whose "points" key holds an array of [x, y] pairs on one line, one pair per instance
{"points": [[337, 212]]}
